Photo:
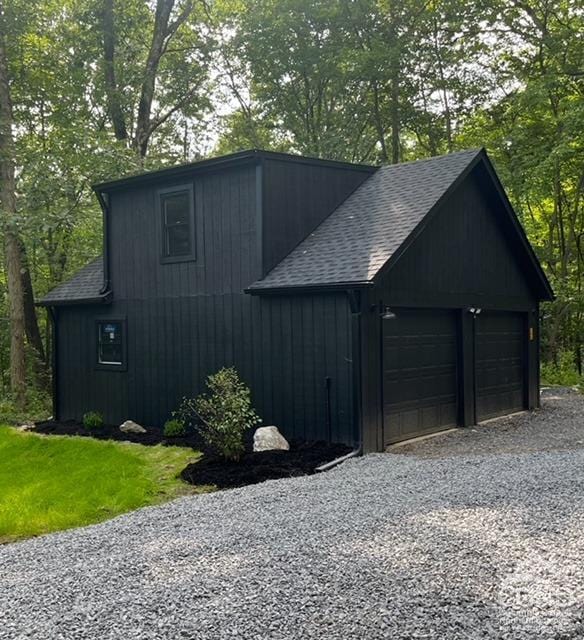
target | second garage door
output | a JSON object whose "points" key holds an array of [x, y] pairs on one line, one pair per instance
{"points": [[419, 374], [499, 368]]}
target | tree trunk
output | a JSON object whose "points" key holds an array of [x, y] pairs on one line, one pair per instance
{"points": [[379, 123], [395, 147], [111, 87], [394, 90], [31, 325], [11, 241], [142, 136], [16, 308], [444, 90], [164, 30]]}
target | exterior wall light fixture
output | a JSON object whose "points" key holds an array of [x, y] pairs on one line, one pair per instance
{"points": [[388, 314]]}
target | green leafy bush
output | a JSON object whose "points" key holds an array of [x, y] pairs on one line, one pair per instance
{"points": [[223, 415], [563, 372], [174, 428], [92, 420]]}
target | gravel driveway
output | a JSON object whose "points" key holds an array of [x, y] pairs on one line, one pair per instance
{"points": [[436, 541]]}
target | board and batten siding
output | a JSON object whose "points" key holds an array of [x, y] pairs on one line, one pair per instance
{"points": [[297, 197], [462, 259], [187, 320]]}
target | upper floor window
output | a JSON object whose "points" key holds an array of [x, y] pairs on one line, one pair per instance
{"points": [[178, 232]]}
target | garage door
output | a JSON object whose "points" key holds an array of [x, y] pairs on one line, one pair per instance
{"points": [[419, 374], [499, 370]]}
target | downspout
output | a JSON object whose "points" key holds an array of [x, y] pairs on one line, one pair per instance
{"points": [[354, 296], [52, 313], [103, 199]]}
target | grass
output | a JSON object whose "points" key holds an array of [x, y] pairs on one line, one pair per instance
{"points": [[54, 483]]}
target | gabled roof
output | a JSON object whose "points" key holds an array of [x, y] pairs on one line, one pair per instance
{"points": [[376, 223], [84, 286], [362, 234], [365, 234]]}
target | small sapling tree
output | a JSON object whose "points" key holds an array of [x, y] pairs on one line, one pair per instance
{"points": [[223, 414]]}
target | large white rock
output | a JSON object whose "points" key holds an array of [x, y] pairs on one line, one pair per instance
{"points": [[131, 427], [268, 438]]}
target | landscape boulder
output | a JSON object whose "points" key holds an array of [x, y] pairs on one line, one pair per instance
{"points": [[269, 438], [131, 427]]}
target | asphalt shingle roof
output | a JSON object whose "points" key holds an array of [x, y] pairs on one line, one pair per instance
{"points": [[362, 234], [84, 285], [350, 246]]}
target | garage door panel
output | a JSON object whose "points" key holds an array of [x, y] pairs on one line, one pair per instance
{"points": [[426, 385], [499, 364], [496, 375], [419, 374]]}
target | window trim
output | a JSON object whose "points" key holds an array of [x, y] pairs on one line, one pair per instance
{"points": [[160, 194], [112, 366]]}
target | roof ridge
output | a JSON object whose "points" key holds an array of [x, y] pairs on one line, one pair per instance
{"points": [[443, 156]]}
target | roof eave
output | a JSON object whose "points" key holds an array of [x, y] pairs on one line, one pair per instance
{"points": [[220, 162], [171, 172], [104, 298], [322, 287]]}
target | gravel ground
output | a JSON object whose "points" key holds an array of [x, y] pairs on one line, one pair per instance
{"points": [[387, 546], [558, 427]]}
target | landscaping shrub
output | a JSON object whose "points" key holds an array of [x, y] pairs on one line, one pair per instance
{"points": [[174, 428], [564, 372], [92, 420], [223, 415]]}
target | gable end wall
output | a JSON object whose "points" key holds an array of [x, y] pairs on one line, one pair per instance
{"points": [[465, 256]]}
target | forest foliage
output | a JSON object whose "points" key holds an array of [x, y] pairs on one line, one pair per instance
{"points": [[100, 88]]}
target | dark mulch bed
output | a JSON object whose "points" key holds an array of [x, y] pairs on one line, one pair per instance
{"points": [[302, 459], [152, 437]]}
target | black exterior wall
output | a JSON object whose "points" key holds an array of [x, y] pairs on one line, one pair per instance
{"points": [[188, 319], [294, 202], [284, 348], [312, 359], [465, 258]]}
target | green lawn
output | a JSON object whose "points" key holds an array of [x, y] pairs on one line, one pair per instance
{"points": [[49, 483]]}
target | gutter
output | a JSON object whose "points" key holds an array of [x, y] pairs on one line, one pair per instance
{"points": [[355, 306], [221, 162], [103, 298], [307, 288]]}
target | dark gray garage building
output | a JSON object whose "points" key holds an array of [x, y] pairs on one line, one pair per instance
{"points": [[361, 304]]}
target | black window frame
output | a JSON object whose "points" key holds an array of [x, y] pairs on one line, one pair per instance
{"points": [[191, 256], [111, 366]]}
